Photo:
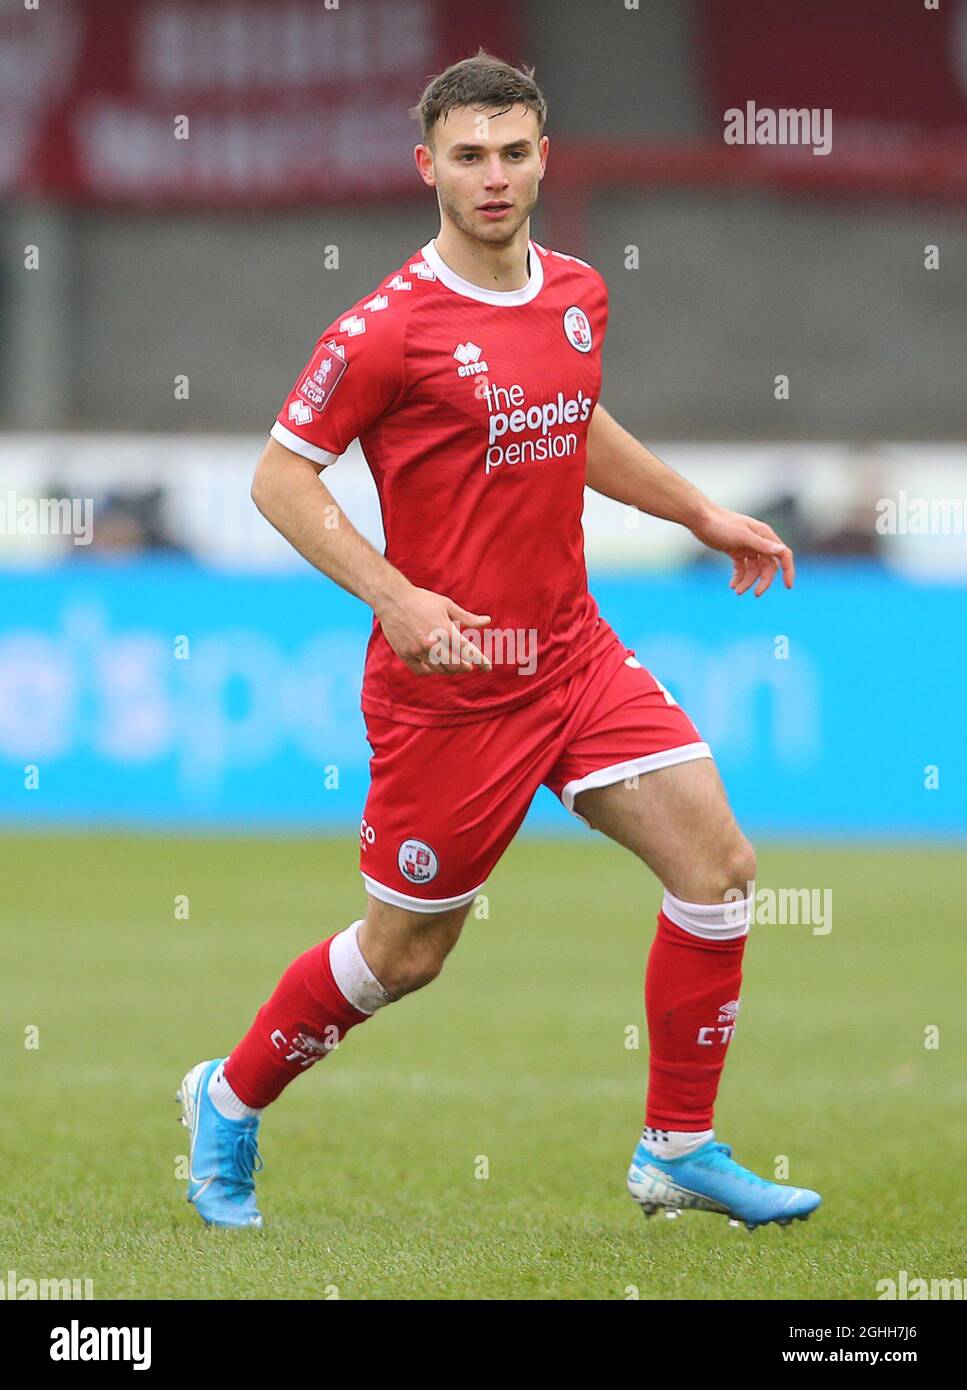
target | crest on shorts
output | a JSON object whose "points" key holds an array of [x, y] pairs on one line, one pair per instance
{"points": [[417, 862]]}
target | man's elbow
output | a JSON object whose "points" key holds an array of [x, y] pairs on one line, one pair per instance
{"points": [[261, 485]]}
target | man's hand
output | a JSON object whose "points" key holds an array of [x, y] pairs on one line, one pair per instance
{"points": [[421, 628], [757, 552]]}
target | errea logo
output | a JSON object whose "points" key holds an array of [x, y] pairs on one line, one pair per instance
{"points": [[468, 355]]}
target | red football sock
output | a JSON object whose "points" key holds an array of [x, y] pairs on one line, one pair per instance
{"points": [[691, 998], [305, 1017]]}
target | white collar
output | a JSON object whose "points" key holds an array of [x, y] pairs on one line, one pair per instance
{"points": [[459, 285]]}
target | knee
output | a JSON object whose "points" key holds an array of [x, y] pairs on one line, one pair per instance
{"points": [[737, 866], [406, 950], [416, 971], [412, 964], [727, 870]]}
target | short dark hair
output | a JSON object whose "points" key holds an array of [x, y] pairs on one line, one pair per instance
{"points": [[482, 80]]}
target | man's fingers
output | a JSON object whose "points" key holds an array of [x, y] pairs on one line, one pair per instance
{"points": [[450, 653], [788, 567], [464, 655], [750, 575], [768, 571], [466, 618], [470, 655], [776, 547]]}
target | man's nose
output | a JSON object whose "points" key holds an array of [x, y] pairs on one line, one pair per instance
{"points": [[496, 176]]}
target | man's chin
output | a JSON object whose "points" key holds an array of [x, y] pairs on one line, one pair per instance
{"points": [[497, 233]]}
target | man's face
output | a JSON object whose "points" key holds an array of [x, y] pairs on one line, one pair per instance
{"points": [[486, 168]]}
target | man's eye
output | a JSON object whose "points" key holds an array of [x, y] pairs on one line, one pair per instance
{"points": [[465, 157], [517, 154]]}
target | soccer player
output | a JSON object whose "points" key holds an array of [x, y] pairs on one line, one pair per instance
{"points": [[471, 376]]}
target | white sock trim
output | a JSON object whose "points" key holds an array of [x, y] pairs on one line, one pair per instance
{"points": [[224, 1099], [674, 1143], [351, 973], [712, 921]]}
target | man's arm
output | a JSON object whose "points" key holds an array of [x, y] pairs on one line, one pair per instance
{"points": [[619, 467], [290, 494]]}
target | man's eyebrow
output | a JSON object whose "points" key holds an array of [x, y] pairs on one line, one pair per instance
{"points": [[511, 145]]}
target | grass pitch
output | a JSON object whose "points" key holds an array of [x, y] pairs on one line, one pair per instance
{"points": [[513, 1064]]}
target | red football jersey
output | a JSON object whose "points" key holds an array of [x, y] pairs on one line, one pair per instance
{"points": [[472, 409]]}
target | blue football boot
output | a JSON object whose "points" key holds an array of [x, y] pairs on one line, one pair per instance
{"points": [[710, 1180], [222, 1157]]}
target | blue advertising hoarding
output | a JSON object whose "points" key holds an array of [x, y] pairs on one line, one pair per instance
{"points": [[156, 692]]}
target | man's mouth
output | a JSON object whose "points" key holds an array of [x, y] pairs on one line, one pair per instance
{"points": [[497, 207]]}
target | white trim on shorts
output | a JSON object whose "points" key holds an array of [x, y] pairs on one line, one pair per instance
{"points": [[397, 899], [617, 772]]}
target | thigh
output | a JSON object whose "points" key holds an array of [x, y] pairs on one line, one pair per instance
{"points": [[637, 769], [676, 819]]}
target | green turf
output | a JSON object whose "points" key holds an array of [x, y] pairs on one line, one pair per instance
{"points": [[517, 1054]]}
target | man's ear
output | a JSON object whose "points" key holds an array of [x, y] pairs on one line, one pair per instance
{"points": [[542, 147], [423, 156]]}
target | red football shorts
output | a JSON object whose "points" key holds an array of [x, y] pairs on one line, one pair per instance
{"points": [[446, 801]]}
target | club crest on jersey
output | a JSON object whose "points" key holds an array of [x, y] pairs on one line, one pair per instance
{"points": [[577, 328], [416, 861], [321, 378], [468, 355]]}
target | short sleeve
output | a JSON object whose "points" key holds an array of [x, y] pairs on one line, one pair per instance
{"points": [[352, 378]]}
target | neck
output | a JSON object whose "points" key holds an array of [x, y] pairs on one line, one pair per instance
{"points": [[490, 267]]}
